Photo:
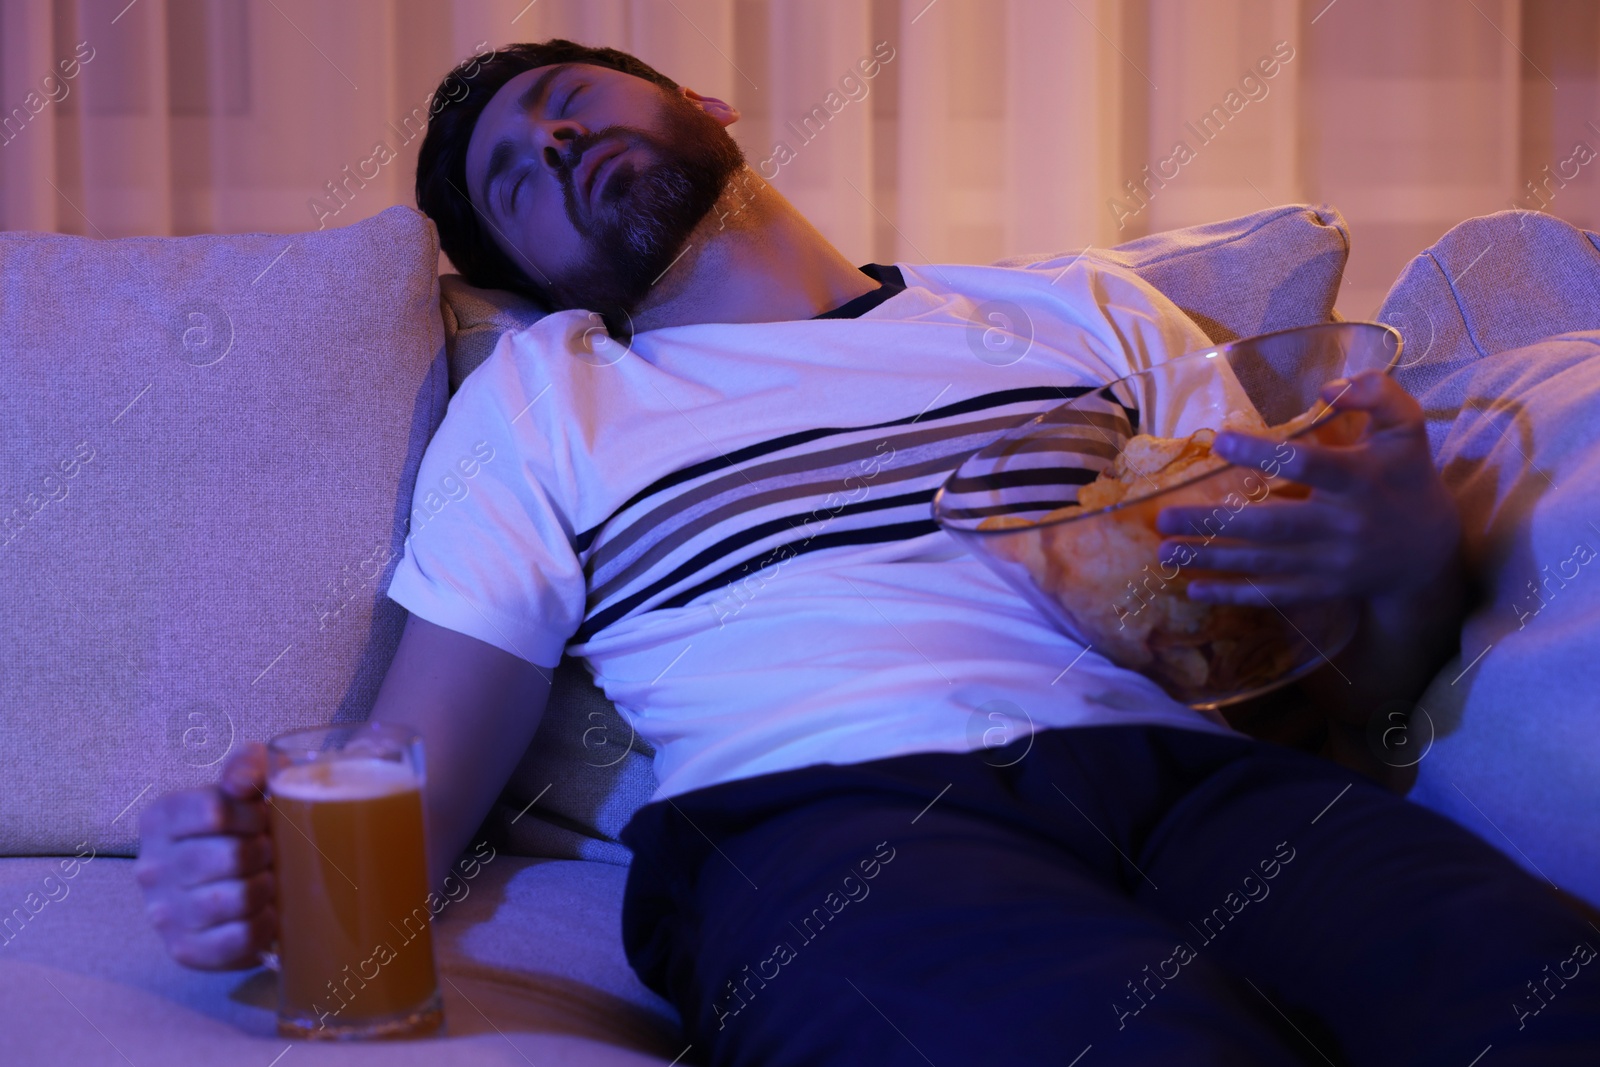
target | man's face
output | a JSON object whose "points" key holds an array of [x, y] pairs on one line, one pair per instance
{"points": [[591, 180]]}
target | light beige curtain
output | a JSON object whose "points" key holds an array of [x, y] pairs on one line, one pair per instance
{"points": [[988, 127]]}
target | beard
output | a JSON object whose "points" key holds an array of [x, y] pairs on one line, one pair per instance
{"points": [[644, 215]]}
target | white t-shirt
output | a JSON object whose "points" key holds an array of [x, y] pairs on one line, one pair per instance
{"points": [[731, 523]]}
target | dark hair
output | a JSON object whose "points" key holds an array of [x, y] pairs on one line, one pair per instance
{"points": [[442, 160]]}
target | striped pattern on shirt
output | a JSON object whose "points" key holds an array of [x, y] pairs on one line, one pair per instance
{"points": [[704, 527]]}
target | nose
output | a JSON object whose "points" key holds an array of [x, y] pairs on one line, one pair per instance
{"points": [[554, 142]]}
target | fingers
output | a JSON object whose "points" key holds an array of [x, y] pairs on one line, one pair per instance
{"points": [[206, 859], [244, 775], [1370, 486], [205, 865], [1265, 590], [1245, 558], [1379, 395], [1298, 460], [1280, 522], [201, 811], [195, 861], [235, 805], [1297, 550], [210, 897], [212, 903], [1390, 410], [227, 946]]}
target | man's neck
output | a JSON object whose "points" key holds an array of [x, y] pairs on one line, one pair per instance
{"points": [[754, 258]]}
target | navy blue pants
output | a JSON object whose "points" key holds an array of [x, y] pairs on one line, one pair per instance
{"points": [[1099, 896]]}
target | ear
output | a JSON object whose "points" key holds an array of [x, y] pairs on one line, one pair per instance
{"points": [[724, 112]]}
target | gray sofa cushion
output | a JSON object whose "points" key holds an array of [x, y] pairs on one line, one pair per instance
{"points": [[1514, 721], [1514, 420], [1491, 284], [475, 318], [530, 960], [1266, 271], [586, 773], [210, 446]]}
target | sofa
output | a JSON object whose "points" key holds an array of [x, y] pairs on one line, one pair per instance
{"points": [[210, 472]]}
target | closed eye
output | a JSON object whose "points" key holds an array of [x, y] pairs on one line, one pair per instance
{"points": [[567, 103], [511, 200]]}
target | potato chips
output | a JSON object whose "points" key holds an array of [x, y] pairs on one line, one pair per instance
{"points": [[1103, 569]]}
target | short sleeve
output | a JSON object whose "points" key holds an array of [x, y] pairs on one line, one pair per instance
{"points": [[489, 552], [1092, 318], [1140, 326], [1152, 330]]}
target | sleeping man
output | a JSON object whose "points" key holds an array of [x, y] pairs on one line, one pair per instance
{"points": [[713, 468]]}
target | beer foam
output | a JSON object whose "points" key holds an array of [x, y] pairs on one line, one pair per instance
{"points": [[357, 778]]}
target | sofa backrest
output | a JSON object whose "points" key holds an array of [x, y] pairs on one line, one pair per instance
{"points": [[212, 445]]}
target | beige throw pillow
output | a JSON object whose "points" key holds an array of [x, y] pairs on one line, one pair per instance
{"points": [[210, 449]]}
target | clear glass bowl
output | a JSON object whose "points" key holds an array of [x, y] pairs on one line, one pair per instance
{"points": [[1094, 570]]}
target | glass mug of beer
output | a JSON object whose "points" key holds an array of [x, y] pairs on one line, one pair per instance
{"points": [[355, 942]]}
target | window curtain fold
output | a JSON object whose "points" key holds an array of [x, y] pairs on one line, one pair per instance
{"points": [[905, 129]]}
